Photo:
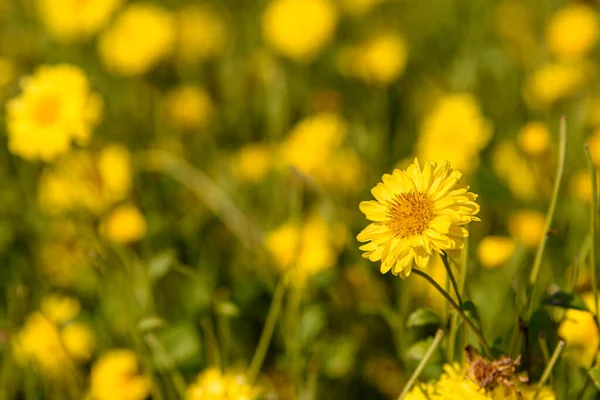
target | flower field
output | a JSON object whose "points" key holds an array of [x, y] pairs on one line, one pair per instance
{"points": [[299, 199]]}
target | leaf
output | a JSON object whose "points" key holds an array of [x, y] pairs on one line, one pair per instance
{"points": [[181, 342], [151, 323], [227, 308], [160, 265], [566, 300], [339, 357], [416, 352], [423, 317], [469, 308], [594, 375], [311, 323]]}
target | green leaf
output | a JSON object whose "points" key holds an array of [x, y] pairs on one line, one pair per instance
{"points": [[160, 265], [311, 323], [469, 308], [423, 317], [151, 323], [566, 300], [416, 352], [339, 357], [181, 342], [594, 375], [227, 308]]}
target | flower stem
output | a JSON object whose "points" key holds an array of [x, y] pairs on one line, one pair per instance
{"points": [[550, 214], [434, 345], [548, 370], [457, 308], [268, 329], [444, 257], [593, 214]]}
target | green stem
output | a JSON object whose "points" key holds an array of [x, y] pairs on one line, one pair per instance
{"points": [[451, 276], [550, 215], [434, 345], [593, 211], [267, 333], [550, 366], [457, 308]]}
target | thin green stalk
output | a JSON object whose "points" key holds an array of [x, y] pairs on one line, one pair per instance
{"points": [[267, 333], [166, 362], [212, 345], [550, 366], [457, 308], [544, 347], [550, 214], [462, 277], [593, 223], [434, 345], [451, 276]]}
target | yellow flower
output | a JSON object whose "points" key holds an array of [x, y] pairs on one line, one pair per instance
{"points": [[141, 36], [527, 227], [553, 82], [534, 138], [252, 162], [125, 224], [189, 107], [201, 33], [116, 376], [455, 130], [358, 7], [38, 343], [72, 20], [60, 309], [84, 181], [581, 186], [380, 60], [514, 170], [309, 248], [573, 31], [494, 251], [78, 340], [417, 212], [299, 29], [211, 384], [55, 107], [581, 334]]}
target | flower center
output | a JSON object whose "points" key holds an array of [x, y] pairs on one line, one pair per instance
{"points": [[46, 110], [410, 214]]}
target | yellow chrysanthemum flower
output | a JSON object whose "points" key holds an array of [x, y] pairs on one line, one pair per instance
{"points": [[211, 384], [299, 29], [56, 107], [534, 138], [189, 107], [79, 340], [125, 224], [527, 227], [553, 82], [141, 36], [417, 212], [252, 162], [493, 251], [581, 334], [116, 376], [573, 31], [454, 130], [84, 181], [72, 20], [201, 33]]}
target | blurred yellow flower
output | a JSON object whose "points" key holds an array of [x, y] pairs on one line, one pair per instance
{"points": [[527, 227], [141, 36], [514, 170], [553, 82], [581, 334], [417, 213], [82, 181], [211, 384], [189, 107], [252, 162], [125, 224], [573, 31], [358, 7], [38, 343], [309, 248], [580, 186], [60, 309], [456, 131], [201, 33], [55, 107], [534, 138], [78, 340], [299, 29], [72, 20], [494, 251], [381, 60], [116, 376]]}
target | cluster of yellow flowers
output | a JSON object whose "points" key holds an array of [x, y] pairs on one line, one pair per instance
{"points": [[212, 384], [116, 376]]}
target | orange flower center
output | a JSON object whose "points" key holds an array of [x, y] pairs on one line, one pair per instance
{"points": [[46, 110], [410, 214]]}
